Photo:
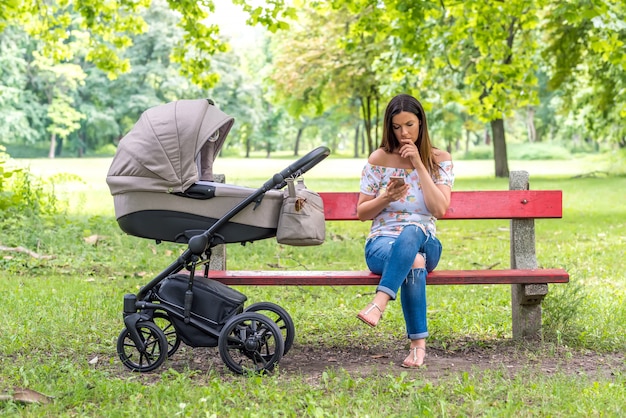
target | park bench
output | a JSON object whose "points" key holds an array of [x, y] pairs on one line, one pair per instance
{"points": [[529, 284]]}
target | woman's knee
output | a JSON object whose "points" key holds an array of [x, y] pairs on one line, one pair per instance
{"points": [[432, 253], [412, 234]]}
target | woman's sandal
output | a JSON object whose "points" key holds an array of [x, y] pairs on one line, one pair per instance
{"points": [[363, 316], [414, 352]]}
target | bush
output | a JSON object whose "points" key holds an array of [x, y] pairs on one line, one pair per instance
{"points": [[481, 152], [21, 193], [25, 151], [107, 150], [516, 151], [537, 151], [617, 162]]}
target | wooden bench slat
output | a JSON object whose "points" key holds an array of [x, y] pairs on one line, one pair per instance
{"points": [[496, 204], [352, 278]]}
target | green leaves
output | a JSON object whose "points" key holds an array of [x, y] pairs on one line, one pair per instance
{"points": [[65, 119], [104, 30], [273, 14]]}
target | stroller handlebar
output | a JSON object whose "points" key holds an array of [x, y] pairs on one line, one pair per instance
{"points": [[298, 168]]}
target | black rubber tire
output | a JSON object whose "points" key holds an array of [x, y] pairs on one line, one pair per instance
{"points": [[281, 317], [251, 343], [163, 321], [155, 351]]}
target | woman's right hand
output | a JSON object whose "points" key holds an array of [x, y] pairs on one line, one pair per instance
{"points": [[369, 206], [395, 190]]}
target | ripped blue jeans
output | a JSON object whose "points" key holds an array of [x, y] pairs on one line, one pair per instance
{"points": [[392, 258]]}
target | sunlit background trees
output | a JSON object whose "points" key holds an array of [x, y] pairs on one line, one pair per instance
{"points": [[75, 76]]}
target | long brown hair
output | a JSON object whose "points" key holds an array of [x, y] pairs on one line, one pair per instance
{"points": [[407, 103]]}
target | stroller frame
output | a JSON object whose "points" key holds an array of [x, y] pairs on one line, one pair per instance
{"points": [[249, 340]]}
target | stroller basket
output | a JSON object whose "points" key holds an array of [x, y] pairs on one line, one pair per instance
{"points": [[213, 302]]}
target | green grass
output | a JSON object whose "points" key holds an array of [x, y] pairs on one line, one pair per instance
{"points": [[60, 313]]}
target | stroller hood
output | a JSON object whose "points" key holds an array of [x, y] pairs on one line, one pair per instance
{"points": [[171, 147]]}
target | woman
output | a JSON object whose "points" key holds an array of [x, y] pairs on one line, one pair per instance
{"points": [[401, 245]]}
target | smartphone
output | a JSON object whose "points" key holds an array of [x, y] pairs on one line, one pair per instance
{"points": [[398, 179]]}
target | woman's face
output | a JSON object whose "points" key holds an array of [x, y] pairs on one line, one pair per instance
{"points": [[405, 125]]}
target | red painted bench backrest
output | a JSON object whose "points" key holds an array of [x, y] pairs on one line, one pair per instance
{"points": [[498, 204]]}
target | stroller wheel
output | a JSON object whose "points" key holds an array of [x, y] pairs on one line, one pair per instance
{"points": [[149, 354], [250, 342], [163, 321], [280, 316]]}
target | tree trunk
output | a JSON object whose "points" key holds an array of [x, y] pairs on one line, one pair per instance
{"points": [[366, 108], [53, 145], [59, 147], [376, 121], [356, 140], [530, 125], [499, 148], [297, 145], [363, 149]]}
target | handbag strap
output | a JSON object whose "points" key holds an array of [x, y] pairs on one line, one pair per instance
{"points": [[291, 188]]}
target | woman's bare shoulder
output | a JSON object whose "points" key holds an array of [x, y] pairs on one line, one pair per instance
{"points": [[379, 157], [441, 155]]}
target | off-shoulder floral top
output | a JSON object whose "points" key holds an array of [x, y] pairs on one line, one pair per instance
{"points": [[409, 210]]}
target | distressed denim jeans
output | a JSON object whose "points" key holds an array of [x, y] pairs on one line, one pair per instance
{"points": [[392, 258]]}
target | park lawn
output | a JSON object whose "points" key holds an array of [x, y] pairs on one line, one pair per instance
{"points": [[61, 313]]}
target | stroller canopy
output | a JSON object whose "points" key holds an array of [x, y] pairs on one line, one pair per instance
{"points": [[171, 147]]}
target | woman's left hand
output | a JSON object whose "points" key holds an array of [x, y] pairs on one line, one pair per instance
{"points": [[409, 150]]}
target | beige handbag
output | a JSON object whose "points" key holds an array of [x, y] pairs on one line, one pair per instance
{"points": [[301, 221]]}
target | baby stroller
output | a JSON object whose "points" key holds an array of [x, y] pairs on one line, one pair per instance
{"points": [[163, 188]]}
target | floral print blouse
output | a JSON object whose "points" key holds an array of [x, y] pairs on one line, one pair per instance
{"points": [[409, 210]]}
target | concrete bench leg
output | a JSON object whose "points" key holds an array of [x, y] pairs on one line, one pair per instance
{"points": [[525, 299], [526, 306]]}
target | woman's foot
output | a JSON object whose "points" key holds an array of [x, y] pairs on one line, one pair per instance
{"points": [[415, 358], [371, 314]]}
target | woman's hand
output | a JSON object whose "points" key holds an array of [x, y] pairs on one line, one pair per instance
{"points": [[408, 149], [396, 190], [369, 206]]}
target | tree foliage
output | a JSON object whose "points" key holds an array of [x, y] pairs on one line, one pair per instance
{"points": [[486, 56], [81, 72], [105, 30], [586, 51], [87, 112], [310, 76]]}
